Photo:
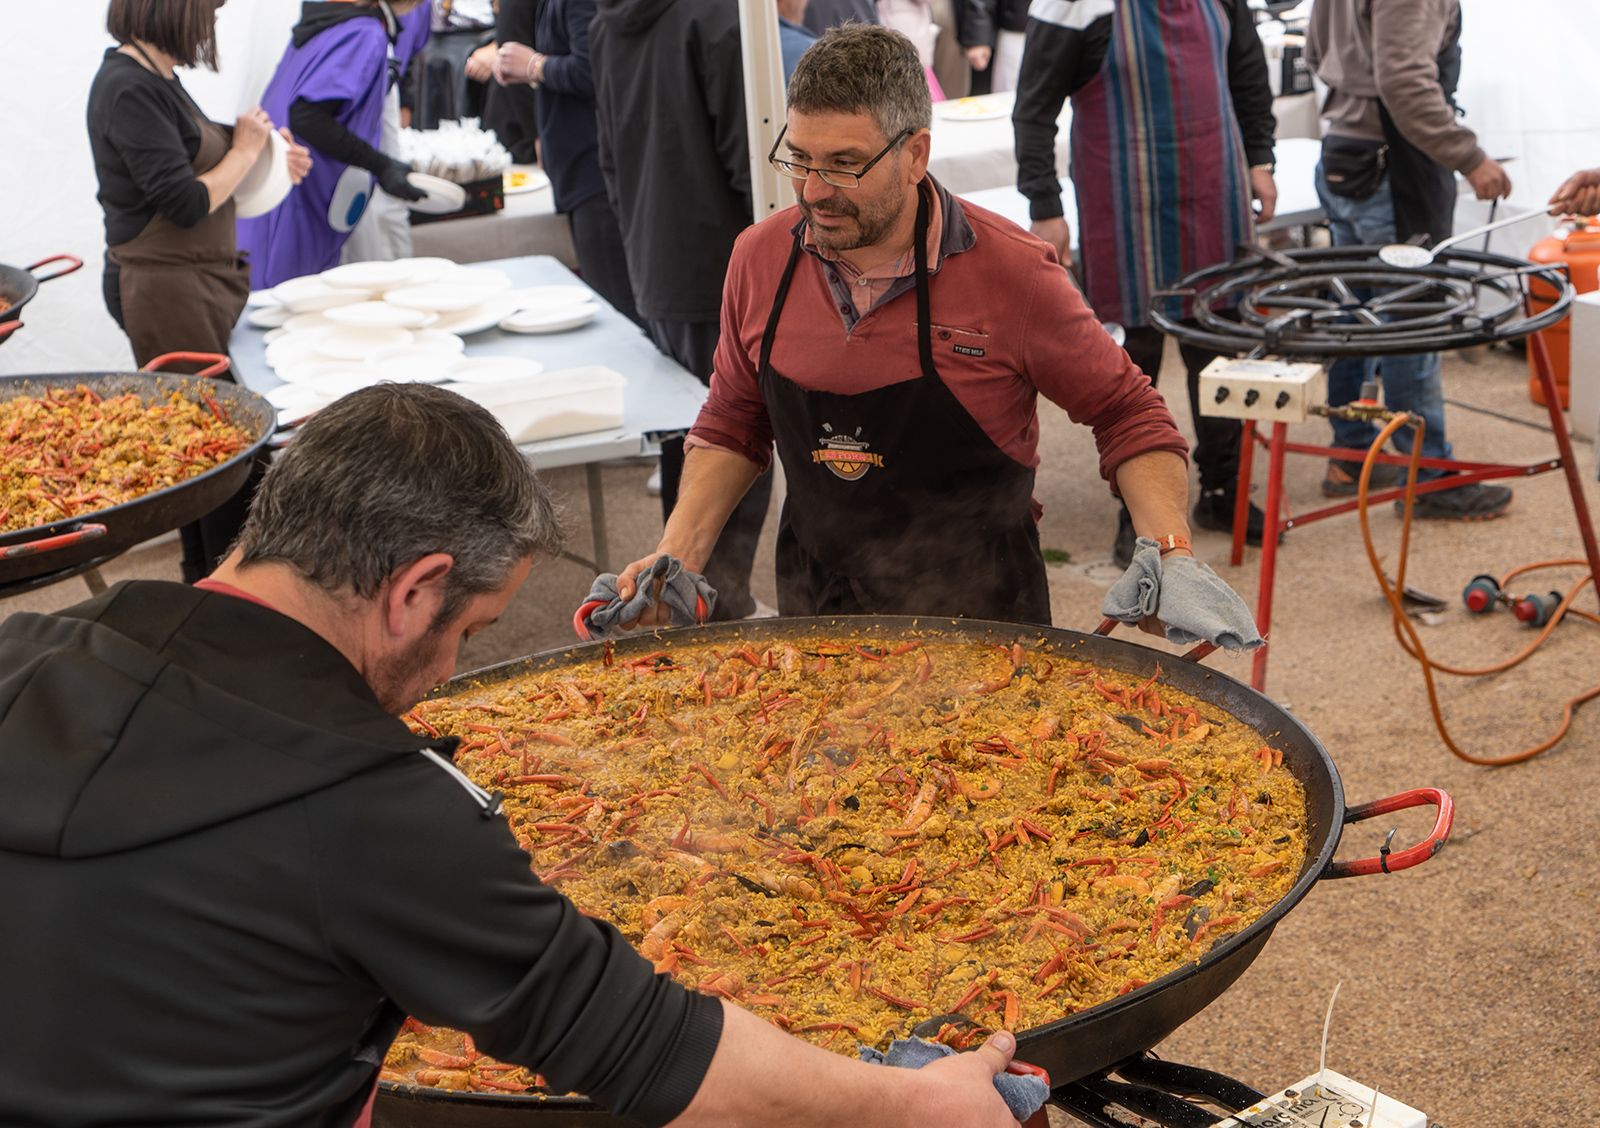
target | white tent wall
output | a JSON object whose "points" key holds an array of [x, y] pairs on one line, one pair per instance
{"points": [[1526, 85]]}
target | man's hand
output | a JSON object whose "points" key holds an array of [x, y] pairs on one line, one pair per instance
{"points": [[1489, 180], [978, 57], [1264, 190], [1580, 195], [480, 64], [298, 160], [517, 62], [658, 614], [958, 1091], [1058, 233]]}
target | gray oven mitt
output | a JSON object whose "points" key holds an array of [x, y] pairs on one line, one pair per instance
{"points": [[1024, 1095], [1187, 596], [679, 586]]}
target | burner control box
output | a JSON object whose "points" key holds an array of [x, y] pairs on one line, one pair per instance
{"points": [[1328, 1100], [1273, 391]]}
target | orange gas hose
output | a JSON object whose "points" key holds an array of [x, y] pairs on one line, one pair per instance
{"points": [[1406, 634]]}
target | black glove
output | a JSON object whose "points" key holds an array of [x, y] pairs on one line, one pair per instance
{"points": [[393, 181]]}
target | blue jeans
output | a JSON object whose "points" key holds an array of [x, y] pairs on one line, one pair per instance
{"points": [[1410, 383]]}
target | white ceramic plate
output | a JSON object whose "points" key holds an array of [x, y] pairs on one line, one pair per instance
{"points": [[438, 340], [296, 399], [296, 348], [422, 270], [555, 320], [268, 316], [438, 297], [477, 319], [271, 335], [267, 183], [525, 179], [414, 366], [380, 315], [308, 323], [494, 369], [369, 276], [983, 107], [256, 299], [311, 294], [550, 297], [357, 342], [443, 196], [311, 371], [476, 278]]}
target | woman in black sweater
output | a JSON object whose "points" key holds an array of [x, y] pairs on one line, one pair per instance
{"points": [[174, 280]]}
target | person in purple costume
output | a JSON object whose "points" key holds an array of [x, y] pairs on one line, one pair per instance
{"points": [[330, 86]]}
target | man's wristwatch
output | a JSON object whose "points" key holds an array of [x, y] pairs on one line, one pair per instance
{"points": [[1172, 542]]}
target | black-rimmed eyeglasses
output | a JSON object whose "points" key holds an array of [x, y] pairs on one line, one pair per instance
{"points": [[837, 177]]}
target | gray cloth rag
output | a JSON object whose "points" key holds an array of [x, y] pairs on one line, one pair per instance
{"points": [[1024, 1094], [679, 586], [1189, 598]]}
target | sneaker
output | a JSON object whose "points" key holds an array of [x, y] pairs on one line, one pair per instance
{"points": [[1475, 501], [1214, 511], [652, 484], [1122, 547], [1343, 478]]}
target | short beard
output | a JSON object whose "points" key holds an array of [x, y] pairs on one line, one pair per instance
{"points": [[394, 679], [871, 228]]}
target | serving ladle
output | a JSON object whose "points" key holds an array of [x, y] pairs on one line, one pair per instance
{"points": [[1409, 256]]}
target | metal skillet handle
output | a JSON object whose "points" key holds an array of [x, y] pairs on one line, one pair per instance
{"points": [[51, 544], [215, 364], [1198, 654], [580, 618], [1387, 861], [73, 261], [1040, 1119]]}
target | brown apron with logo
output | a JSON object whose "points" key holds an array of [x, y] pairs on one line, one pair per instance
{"points": [[183, 288]]}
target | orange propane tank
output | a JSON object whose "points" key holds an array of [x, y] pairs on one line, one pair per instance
{"points": [[1579, 248]]}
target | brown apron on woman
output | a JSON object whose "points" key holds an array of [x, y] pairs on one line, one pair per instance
{"points": [[183, 289]]}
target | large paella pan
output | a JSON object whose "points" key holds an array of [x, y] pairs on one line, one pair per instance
{"points": [[1151, 701]]}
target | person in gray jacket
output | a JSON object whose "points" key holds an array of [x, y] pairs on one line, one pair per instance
{"points": [[1392, 148]]}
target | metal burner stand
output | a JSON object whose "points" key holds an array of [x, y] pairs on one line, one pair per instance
{"points": [[1321, 304]]}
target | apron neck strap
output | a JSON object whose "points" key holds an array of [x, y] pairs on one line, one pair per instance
{"points": [[924, 317], [782, 296]]}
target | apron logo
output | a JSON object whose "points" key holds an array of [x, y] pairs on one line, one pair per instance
{"points": [[967, 350], [846, 456]]}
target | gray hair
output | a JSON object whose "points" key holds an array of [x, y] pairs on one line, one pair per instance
{"points": [[864, 69], [389, 474]]}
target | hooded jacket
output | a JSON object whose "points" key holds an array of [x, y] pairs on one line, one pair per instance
{"points": [[228, 873], [669, 89]]}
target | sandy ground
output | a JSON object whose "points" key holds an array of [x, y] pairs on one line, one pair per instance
{"points": [[1472, 984]]}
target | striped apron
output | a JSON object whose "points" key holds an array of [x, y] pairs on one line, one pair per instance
{"points": [[1158, 165]]}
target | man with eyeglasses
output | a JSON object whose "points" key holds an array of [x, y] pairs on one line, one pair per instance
{"points": [[891, 342]]}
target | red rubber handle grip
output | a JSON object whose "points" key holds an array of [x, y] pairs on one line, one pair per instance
{"points": [[580, 618], [1040, 1119], [51, 544], [215, 363], [73, 261], [1387, 862], [9, 328], [1204, 650]]}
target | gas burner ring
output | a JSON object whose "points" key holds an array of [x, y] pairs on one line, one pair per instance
{"points": [[1346, 301]]}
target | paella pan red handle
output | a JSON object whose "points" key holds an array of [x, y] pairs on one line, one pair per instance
{"points": [[215, 363], [79, 535], [580, 618], [1389, 861], [1040, 1119], [9, 328], [1199, 653], [73, 263]]}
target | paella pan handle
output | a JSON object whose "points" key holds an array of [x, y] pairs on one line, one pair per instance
{"points": [[50, 544], [9, 328], [1387, 861], [215, 363], [1199, 653], [580, 618], [73, 263], [1040, 1119]]}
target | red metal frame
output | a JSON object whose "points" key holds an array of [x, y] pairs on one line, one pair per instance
{"points": [[1277, 522]]}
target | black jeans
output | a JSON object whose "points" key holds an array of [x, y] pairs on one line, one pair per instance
{"points": [[1216, 451], [693, 344], [598, 242]]}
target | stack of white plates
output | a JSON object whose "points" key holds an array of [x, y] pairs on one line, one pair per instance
{"points": [[551, 309]]}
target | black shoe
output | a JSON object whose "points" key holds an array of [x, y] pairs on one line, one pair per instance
{"points": [[1475, 501], [1343, 478], [1122, 547], [1214, 511]]}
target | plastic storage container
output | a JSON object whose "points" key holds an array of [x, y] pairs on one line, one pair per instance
{"points": [[551, 405], [1579, 249]]}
